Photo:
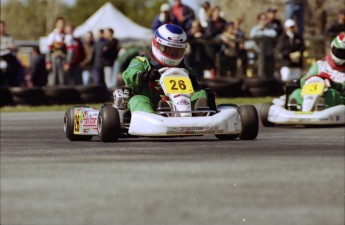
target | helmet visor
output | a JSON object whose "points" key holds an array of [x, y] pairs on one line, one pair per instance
{"points": [[339, 53], [171, 51]]}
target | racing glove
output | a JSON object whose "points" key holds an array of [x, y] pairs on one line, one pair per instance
{"points": [[150, 75], [339, 87]]}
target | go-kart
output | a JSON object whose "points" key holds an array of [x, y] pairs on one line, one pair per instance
{"points": [[113, 121], [313, 110]]}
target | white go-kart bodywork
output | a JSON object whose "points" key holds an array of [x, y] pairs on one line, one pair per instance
{"points": [[312, 112], [227, 122]]}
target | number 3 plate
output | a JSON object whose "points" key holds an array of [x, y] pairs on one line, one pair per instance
{"points": [[180, 85], [313, 88]]}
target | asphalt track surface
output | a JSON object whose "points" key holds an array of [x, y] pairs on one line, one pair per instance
{"points": [[287, 176]]}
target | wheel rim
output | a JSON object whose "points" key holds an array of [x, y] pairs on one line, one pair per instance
{"points": [[65, 120], [99, 125]]}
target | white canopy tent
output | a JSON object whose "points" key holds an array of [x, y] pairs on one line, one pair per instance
{"points": [[109, 17]]}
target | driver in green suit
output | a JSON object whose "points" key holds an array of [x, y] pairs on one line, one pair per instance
{"points": [[168, 46], [332, 69]]}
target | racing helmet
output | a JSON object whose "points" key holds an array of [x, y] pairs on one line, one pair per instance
{"points": [[169, 43], [338, 50]]}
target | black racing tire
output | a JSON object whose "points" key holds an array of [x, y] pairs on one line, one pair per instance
{"points": [[259, 82], [226, 87], [69, 124], [93, 93], [62, 95], [264, 115], [28, 96], [250, 122], [260, 91], [259, 87], [108, 124], [6, 98]]}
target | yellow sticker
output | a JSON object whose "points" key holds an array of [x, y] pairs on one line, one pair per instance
{"points": [[300, 112], [313, 88], [142, 59], [178, 85], [76, 122]]}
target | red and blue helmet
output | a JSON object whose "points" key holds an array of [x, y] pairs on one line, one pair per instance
{"points": [[169, 43]]}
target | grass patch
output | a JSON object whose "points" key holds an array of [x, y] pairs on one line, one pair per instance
{"points": [[44, 108], [245, 100], [98, 106]]}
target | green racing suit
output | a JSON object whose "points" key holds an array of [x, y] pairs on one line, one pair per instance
{"points": [[335, 95], [146, 97]]}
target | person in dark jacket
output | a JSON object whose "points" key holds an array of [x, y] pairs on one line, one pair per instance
{"points": [[38, 71], [164, 17], [216, 24], [97, 68], [110, 50], [290, 48], [273, 22], [86, 64], [183, 14], [338, 26], [73, 74]]}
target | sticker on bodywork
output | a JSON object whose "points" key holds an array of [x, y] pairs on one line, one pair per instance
{"points": [[77, 117]]}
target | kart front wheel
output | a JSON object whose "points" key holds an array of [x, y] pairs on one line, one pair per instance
{"points": [[108, 124], [250, 122], [69, 126], [265, 108]]}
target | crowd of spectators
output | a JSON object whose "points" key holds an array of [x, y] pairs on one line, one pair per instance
{"points": [[75, 61], [12, 72], [69, 60], [213, 37], [217, 46]]}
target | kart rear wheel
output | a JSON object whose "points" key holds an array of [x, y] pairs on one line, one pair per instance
{"points": [[250, 122], [69, 125], [265, 108], [108, 124]]}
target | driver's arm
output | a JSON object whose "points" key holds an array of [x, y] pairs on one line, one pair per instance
{"points": [[133, 71], [313, 70]]}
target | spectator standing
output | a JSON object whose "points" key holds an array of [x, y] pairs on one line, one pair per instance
{"points": [[183, 14], [294, 9], [197, 57], [38, 72], [229, 50], [266, 36], [273, 22], [216, 24], [238, 30], [86, 64], [73, 72], [59, 53], [338, 26], [97, 67], [204, 14], [11, 74], [110, 50], [290, 47], [164, 17], [215, 27], [7, 42], [241, 51]]}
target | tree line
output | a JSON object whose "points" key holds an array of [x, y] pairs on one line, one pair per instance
{"points": [[31, 19]]}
